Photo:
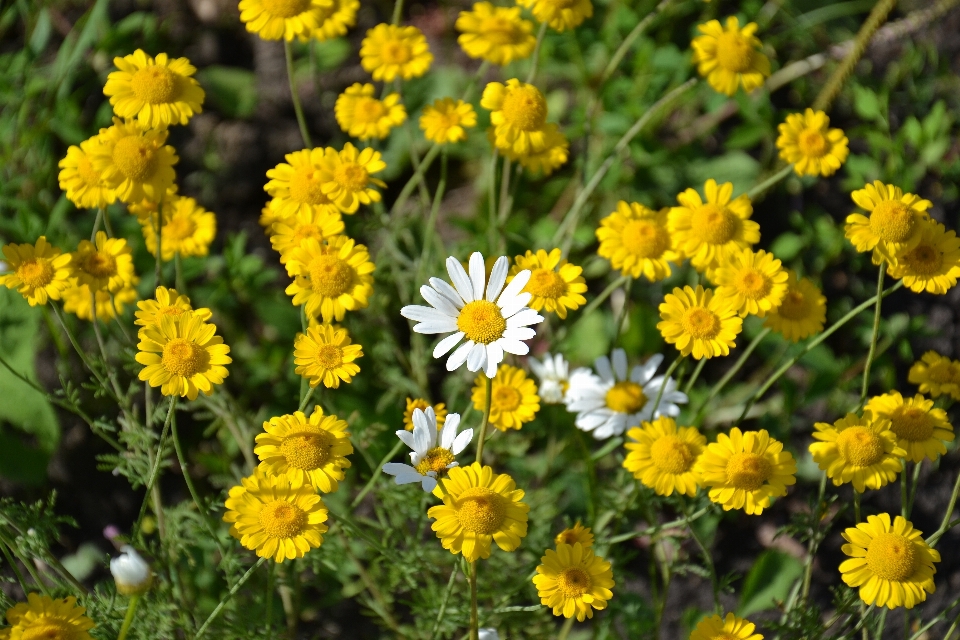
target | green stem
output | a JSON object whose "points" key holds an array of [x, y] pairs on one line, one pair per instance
{"points": [[29, 566], [128, 619], [637, 31], [446, 599], [686, 520], [873, 337], [565, 629], [158, 263], [488, 397], [696, 374], [945, 524], [233, 591], [415, 179], [769, 182], [178, 274], [596, 302], [16, 569], [717, 388], [306, 399], [429, 234], [96, 225], [535, 62], [185, 470], [474, 618], [397, 11], [156, 463], [622, 316], [492, 235], [666, 377], [376, 474], [80, 352], [815, 540], [856, 506], [294, 96], [106, 224], [708, 561]]}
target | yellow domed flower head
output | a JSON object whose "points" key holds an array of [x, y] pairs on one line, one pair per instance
{"points": [[699, 322], [39, 272], [663, 456], [754, 282], [183, 356], [573, 581], [347, 176], [479, 507], [891, 563], [573, 535], [637, 241], [82, 183], [728, 56], [283, 19], [106, 265], [554, 154], [895, 224], [325, 354], [330, 278], [561, 15], [286, 234], [296, 186], [157, 92], [802, 311], [187, 229], [921, 429], [518, 112], [862, 450], [167, 303], [495, 34], [137, 165], [389, 51], [808, 143], [513, 399], [745, 470], [446, 120], [311, 451], [933, 265], [937, 375], [43, 617], [710, 231], [729, 628], [439, 411], [146, 210], [278, 516], [336, 20], [78, 300], [554, 285], [361, 115]]}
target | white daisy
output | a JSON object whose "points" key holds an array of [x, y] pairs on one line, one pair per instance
{"points": [[430, 460], [554, 374], [492, 325], [609, 402]]}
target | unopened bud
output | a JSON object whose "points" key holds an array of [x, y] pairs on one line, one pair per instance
{"points": [[131, 572]]}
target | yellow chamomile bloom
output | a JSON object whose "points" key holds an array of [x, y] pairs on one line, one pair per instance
{"points": [[699, 322], [287, 234], [43, 617], [637, 241], [808, 143], [311, 451], [330, 278], [296, 186], [278, 516], [921, 429], [730, 56], [663, 456], [573, 535], [573, 581], [82, 183], [146, 210], [936, 375], [555, 152], [745, 469], [439, 411], [106, 265], [270, 214], [709, 231], [78, 300], [158, 92], [135, 164], [39, 272], [891, 563], [561, 15], [513, 399], [389, 51], [555, 285], [283, 19], [495, 34], [187, 229], [802, 311], [479, 507], [336, 20], [325, 354], [933, 265], [183, 356], [446, 120], [362, 115], [895, 223], [346, 176], [862, 450], [167, 303], [729, 628], [754, 282], [518, 113]]}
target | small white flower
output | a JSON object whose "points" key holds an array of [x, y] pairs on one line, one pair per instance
{"points": [[492, 325], [554, 374], [131, 572], [429, 459], [609, 402], [488, 634]]}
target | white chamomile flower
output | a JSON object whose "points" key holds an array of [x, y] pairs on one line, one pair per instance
{"points": [[492, 324], [608, 402], [131, 572], [554, 375], [429, 459]]}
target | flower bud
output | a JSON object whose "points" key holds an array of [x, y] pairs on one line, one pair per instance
{"points": [[131, 572]]}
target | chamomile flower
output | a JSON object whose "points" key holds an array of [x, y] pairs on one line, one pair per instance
{"points": [[183, 356], [936, 375], [663, 456], [297, 187], [895, 222], [84, 185], [554, 374], [432, 457], [325, 354], [495, 34], [131, 573], [553, 155], [728, 56], [283, 19], [920, 428], [698, 322], [561, 15], [637, 241], [555, 285], [136, 165], [335, 20], [575, 534], [802, 312], [389, 51], [933, 265], [158, 92], [346, 176], [858, 449], [364, 116], [513, 398], [310, 450], [730, 627], [439, 410], [39, 272], [82, 302], [446, 120], [330, 278], [807, 142], [518, 113], [43, 617], [709, 231], [106, 264], [167, 302], [186, 228], [754, 282], [319, 223], [573, 581]]}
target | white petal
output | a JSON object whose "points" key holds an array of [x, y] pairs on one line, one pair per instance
{"points": [[497, 277], [405, 474], [515, 287], [538, 368], [443, 288], [439, 301], [423, 314], [430, 328], [453, 420], [477, 357], [620, 363], [642, 373], [494, 358], [515, 347], [446, 344], [461, 441], [478, 275], [602, 365], [523, 318], [519, 333], [460, 279], [428, 484], [407, 438], [459, 356], [448, 435]]}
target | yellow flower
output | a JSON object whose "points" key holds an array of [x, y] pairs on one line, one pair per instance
{"points": [[895, 223], [921, 430], [439, 410], [363, 116], [699, 322], [514, 400], [755, 283], [187, 229], [167, 303], [729, 628], [43, 617], [479, 507], [892, 565], [861, 450], [135, 164], [318, 223], [182, 355], [518, 114], [745, 470], [277, 516], [335, 20], [146, 209], [270, 214], [39, 272], [283, 19], [729, 56], [663, 456], [297, 187], [636, 240], [807, 142], [157, 92], [331, 278], [106, 265], [933, 265], [573, 535], [802, 312], [389, 51], [446, 120], [554, 284], [82, 183], [559, 14], [325, 354], [78, 300], [937, 375], [709, 232], [554, 154], [310, 451], [495, 34], [573, 581], [346, 176]]}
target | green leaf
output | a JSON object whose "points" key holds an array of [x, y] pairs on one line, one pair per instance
{"points": [[866, 103], [769, 582], [787, 246], [233, 90]]}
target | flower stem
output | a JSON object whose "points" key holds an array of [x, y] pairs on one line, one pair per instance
{"points": [[376, 474], [535, 62], [446, 595], [707, 559], [596, 302], [717, 388], [666, 377], [488, 398], [474, 618], [815, 540], [492, 235], [769, 182], [96, 225], [945, 524], [156, 463], [873, 337], [158, 263], [696, 374], [185, 470], [304, 132], [622, 316], [178, 274], [233, 591], [128, 619], [306, 399], [567, 624], [430, 236]]}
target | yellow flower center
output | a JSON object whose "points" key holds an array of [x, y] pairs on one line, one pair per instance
{"points": [[135, 157], [49, 628], [307, 450], [175, 312], [305, 187], [35, 273], [154, 85], [281, 519], [180, 227], [329, 356], [525, 108], [546, 283], [893, 221], [506, 398], [351, 177], [500, 31], [100, 265], [734, 52], [752, 283], [89, 175], [913, 424], [645, 239], [793, 307], [670, 454], [395, 52], [860, 446], [625, 397], [285, 8], [812, 143], [891, 556], [700, 323], [436, 460], [748, 471], [330, 276], [369, 110], [482, 321], [713, 224], [184, 358], [940, 373], [924, 260], [481, 510], [573, 582], [304, 231]]}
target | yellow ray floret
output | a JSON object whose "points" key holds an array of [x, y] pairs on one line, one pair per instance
{"points": [[389, 51], [39, 272], [561, 15], [802, 311], [933, 265], [287, 234], [754, 282], [513, 399], [187, 229], [330, 278], [637, 241], [335, 20], [858, 449], [158, 92], [573, 535], [699, 322], [573, 581], [83, 184], [183, 356], [710, 230], [728, 56], [361, 115], [446, 120], [79, 300], [43, 617], [347, 176], [663, 456], [920, 428], [296, 186], [895, 223], [106, 265], [808, 143], [310, 451], [495, 34], [730, 627], [167, 302], [439, 410], [555, 285], [137, 165], [325, 354], [518, 113], [936, 375], [284, 19]]}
